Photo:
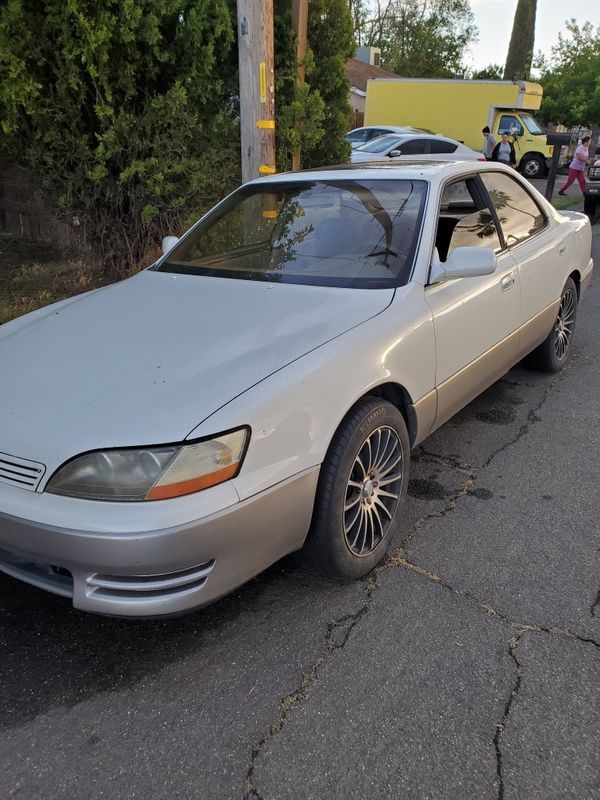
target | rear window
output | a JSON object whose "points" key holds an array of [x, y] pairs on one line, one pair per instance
{"points": [[380, 144], [347, 233]]}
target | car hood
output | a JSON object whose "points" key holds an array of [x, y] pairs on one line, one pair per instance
{"points": [[146, 360]]}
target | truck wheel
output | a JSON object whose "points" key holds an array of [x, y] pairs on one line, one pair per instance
{"points": [[533, 166]]}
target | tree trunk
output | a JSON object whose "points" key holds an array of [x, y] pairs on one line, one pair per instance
{"points": [[520, 49]]}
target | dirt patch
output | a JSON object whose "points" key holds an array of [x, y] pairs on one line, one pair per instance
{"points": [[34, 274]]}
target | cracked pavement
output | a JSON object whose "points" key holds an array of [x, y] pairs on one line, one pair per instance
{"points": [[466, 666]]}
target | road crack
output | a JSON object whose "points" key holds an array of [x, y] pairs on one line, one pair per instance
{"points": [[338, 633], [399, 560], [532, 417], [500, 727], [595, 605]]}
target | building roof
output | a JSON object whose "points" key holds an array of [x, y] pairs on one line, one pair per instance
{"points": [[359, 72]]}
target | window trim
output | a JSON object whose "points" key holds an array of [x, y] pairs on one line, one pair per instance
{"points": [[540, 208]]}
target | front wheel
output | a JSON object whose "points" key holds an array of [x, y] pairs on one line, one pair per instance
{"points": [[533, 166], [362, 486], [555, 351]]}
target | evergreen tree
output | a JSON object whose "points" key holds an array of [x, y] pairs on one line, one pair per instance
{"points": [[331, 40], [520, 49], [122, 108]]}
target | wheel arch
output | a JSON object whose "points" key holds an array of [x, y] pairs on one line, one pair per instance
{"points": [[398, 396], [576, 276]]}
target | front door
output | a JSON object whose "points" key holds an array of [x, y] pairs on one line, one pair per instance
{"points": [[476, 320]]}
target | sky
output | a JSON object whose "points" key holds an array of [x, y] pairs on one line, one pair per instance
{"points": [[494, 18]]}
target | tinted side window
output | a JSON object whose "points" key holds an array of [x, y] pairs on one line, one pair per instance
{"points": [[510, 124], [519, 215], [414, 147], [438, 146], [462, 222], [475, 230]]}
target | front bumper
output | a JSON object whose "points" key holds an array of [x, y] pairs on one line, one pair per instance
{"points": [[166, 571]]}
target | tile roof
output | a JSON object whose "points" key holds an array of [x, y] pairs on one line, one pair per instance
{"points": [[359, 72]]}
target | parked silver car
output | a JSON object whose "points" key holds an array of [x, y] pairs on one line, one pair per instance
{"points": [[259, 388]]}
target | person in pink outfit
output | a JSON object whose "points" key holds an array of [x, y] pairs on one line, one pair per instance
{"points": [[578, 165]]}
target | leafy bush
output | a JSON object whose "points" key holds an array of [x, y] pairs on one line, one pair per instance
{"points": [[122, 108], [127, 110]]}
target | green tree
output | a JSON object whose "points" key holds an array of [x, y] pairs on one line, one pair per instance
{"points": [[571, 78], [421, 38], [299, 111], [493, 72], [331, 41], [123, 109], [520, 49]]}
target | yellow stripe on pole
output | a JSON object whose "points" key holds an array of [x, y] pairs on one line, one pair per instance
{"points": [[265, 170], [263, 81], [265, 123]]}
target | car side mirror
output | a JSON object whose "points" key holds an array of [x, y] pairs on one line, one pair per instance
{"points": [[463, 262], [168, 243], [395, 153]]}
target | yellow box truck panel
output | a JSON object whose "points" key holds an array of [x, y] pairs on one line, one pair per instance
{"points": [[455, 108]]}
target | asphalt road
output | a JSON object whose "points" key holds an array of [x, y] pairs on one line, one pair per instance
{"points": [[466, 667]]}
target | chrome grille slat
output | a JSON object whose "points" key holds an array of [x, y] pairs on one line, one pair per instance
{"points": [[20, 472], [150, 583], [140, 587]]}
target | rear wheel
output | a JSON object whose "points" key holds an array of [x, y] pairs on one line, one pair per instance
{"points": [[555, 351], [533, 166], [362, 486]]}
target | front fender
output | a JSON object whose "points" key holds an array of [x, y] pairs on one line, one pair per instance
{"points": [[294, 413]]}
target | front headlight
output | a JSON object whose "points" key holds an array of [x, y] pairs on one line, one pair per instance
{"points": [[152, 473]]}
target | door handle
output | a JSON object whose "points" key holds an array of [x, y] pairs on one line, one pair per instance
{"points": [[507, 281], [562, 249]]}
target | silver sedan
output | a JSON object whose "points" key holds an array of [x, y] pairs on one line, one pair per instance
{"points": [[258, 390]]}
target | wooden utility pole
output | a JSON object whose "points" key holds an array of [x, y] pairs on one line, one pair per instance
{"points": [[300, 25], [257, 87]]}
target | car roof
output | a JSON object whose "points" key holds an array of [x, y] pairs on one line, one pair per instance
{"points": [[391, 128], [401, 136], [405, 170]]}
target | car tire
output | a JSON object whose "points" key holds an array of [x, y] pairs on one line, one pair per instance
{"points": [[555, 351], [355, 517], [533, 167]]}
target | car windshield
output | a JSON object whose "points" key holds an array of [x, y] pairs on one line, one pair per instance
{"points": [[531, 125], [347, 232], [380, 144]]}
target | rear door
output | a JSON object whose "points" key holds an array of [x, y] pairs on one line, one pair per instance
{"points": [[476, 319], [540, 250]]}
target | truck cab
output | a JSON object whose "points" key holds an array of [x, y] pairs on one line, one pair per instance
{"points": [[529, 140]]}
